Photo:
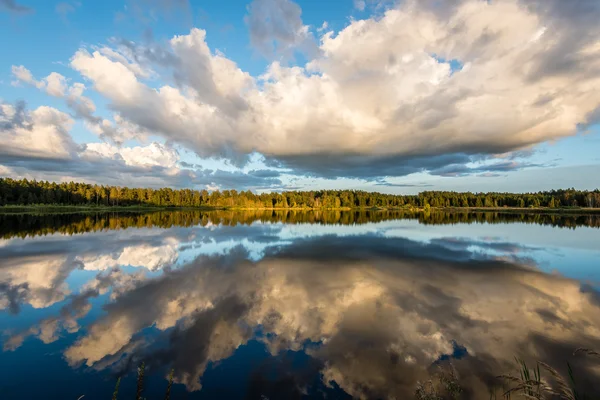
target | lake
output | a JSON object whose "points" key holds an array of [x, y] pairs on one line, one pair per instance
{"points": [[280, 305]]}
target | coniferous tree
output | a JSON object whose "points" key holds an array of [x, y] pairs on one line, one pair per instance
{"points": [[25, 192]]}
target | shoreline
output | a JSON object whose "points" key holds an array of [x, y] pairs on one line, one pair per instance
{"points": [[68, 209], [520, 210], [71, 209]]}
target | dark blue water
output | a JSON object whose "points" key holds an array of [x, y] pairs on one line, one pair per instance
{"points": [[244, 308]]}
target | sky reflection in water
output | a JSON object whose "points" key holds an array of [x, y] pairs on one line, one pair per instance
{"points": [[247, 306]]}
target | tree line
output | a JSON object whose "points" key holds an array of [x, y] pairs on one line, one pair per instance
{"points": [[30, 225], [31, 192]]}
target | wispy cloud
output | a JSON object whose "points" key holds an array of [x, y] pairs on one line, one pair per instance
{"points": [[276, 29], [13, 7]]}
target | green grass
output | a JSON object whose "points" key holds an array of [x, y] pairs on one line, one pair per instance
{"points": [[70, 209], [540, 382], [531, 384], [140, 385]]}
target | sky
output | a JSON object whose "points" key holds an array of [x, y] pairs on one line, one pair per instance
{"points": [[270, 95]]}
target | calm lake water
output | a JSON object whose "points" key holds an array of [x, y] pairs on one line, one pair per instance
{"points": [[279, 305]]}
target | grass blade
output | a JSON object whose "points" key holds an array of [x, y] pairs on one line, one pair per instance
{"points": [[140, 382], [116, 392], [168, 394]]}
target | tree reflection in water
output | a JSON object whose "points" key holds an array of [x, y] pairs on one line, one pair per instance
{"points": [[365, 312]]}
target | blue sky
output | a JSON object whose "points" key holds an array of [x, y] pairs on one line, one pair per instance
{"points": [[272, 126]]}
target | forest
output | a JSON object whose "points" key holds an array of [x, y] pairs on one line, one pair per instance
{"points": [[32, 192]]}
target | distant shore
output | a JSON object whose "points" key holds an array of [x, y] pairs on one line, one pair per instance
{"points": [[63, 209], [545, 210]]}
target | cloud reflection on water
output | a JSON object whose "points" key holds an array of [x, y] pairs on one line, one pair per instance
{"points": [[380, 312]]}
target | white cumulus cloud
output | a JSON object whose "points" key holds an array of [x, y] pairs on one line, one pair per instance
{"points": [[41, 133], [414, 83], [155, 154], [421, 87]]}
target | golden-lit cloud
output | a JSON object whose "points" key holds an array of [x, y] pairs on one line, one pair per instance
{"points": [[421, 87], [382, 320]]}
